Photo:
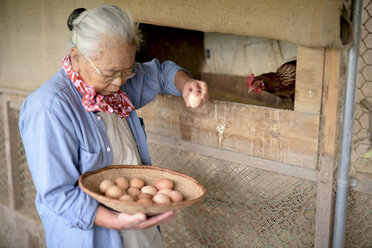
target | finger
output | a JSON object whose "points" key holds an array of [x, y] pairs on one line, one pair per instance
{"points": [[203, 89], [130, 220], [185, 93], [204, 100], [203, 92], [137, 217], [170, 217], [190, 87], [194, 88], [155, 220]]}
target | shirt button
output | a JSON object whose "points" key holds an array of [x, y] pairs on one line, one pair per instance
{"points": [[108, 149], [99, 118]]}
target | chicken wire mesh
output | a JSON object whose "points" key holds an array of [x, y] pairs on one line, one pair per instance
{"points": [[359, 212], [362, 138], [4, 194], [244, 206], [359, 220], [25, 197]]}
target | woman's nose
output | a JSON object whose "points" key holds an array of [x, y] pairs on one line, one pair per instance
{"points": [[118, 82]]}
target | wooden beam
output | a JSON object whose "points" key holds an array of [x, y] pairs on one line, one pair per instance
{"points": [[275, 134], [286, 20], [309, 78], [326, 149], [235, 157]]}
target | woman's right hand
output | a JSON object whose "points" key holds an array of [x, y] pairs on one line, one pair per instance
{"points": [[121, 221]]}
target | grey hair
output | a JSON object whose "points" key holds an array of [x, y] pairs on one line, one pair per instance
{"points": [[106, 20]]}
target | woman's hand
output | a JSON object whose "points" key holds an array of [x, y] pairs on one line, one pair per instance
{"points": [[197, 88], [140, 221], [121, 221], [188, 85]]}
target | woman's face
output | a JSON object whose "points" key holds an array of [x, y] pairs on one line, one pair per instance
{"points": [[115, 57]]}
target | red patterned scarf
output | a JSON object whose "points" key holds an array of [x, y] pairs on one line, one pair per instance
{"points": [[118, 102]]}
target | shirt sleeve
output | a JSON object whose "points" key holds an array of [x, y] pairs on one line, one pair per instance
{"points": [[152, 78], [52, 151]]}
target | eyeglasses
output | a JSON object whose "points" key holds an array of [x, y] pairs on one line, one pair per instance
{"points": [[125, 75]]}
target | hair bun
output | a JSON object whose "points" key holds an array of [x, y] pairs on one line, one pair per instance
{"points": [[73, 16]]}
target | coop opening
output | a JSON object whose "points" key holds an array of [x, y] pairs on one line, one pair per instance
{"points": [[239, 69]]}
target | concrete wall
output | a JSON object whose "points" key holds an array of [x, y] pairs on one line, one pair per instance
{"points": [[33, 39]]}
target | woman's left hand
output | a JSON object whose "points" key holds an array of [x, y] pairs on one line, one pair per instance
{"points": [[122, 221], [141, 221], [197, 88]]}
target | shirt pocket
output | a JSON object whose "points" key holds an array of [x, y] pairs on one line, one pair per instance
{"points": [[89, 161]]}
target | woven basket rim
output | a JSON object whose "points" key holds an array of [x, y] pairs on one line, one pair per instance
{"points": [[100, 197]]}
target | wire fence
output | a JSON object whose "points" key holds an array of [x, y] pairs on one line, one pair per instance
{"points": [[244, 207]]}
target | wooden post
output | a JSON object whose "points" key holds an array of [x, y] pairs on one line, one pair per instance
{"points": [[309, 78], [326, 149]]}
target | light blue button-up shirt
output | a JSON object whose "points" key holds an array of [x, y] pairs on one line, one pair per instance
{"points": [[63, 141]]}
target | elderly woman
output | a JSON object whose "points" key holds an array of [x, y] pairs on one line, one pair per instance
{"points": [[84, 118]]}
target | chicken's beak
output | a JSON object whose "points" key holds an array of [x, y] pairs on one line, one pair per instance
{"points": [[250, 90]]}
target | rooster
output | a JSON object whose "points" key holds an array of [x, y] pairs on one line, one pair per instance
{"points": [[280, 83]]}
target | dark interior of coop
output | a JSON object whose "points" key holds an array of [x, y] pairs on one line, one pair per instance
{"points": [[217, 59]]}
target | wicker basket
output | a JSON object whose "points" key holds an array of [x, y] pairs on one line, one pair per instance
{"points": [[191, 189]]}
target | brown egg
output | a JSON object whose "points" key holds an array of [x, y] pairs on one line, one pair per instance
{"points": [[161, 198], [175, 196], [194, 101], [105, 184], [114, 192], [136, 182], [165, 191], [164, 183], [126, 198], [122, 183], [144, 196], [133, 191], [149, 190], [145, 201]]}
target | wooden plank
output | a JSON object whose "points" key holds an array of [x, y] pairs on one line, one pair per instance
{"points": [[11, 91], [309, 78], [235, 157], [327, 147], [275, 134]]}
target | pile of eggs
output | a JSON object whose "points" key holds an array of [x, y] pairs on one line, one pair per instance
{"points": [[136, 190]]}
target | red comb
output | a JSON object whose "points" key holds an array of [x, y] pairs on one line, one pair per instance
{"points": [[250, 80]]}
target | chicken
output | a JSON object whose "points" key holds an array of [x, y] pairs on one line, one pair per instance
{"points": [[280, 83]]}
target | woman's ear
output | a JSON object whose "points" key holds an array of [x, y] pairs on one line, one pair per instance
{"points": [[75, 57]]}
